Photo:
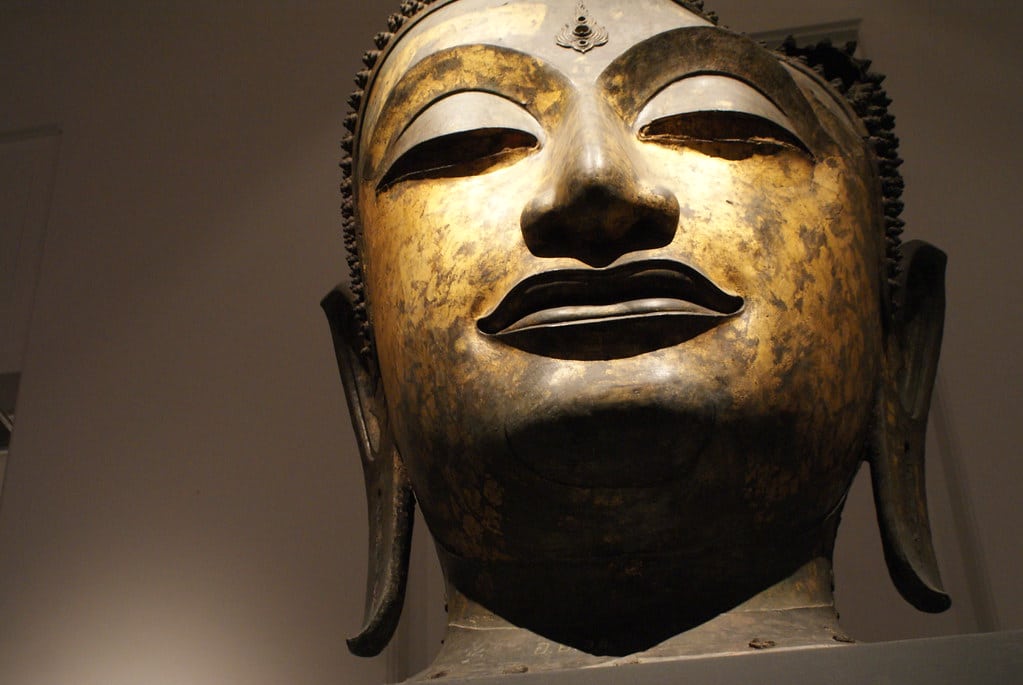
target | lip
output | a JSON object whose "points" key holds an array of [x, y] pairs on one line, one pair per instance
{"points": [[609, 313]]}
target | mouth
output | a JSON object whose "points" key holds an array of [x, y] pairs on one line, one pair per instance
{"points": [[623, 311]]}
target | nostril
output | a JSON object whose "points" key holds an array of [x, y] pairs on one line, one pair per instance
{"points": [[662, 215], [598, 224]]}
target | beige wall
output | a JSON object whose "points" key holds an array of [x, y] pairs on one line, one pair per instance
{"points": [[183, 501]]}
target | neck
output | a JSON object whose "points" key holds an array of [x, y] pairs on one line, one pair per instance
{"points": [[797, 611]]}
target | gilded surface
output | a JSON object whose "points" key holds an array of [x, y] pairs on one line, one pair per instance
{"points": [[689, 430], [671, 435]]}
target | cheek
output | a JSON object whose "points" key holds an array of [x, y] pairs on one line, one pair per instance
{"points": [[446, 242], [815, 317], [438, 255], [817, 282], [798, 242]]}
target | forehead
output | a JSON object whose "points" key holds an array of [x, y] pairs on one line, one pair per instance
{"points": [[530, 27]]}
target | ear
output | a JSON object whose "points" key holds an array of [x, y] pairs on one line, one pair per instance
{"points": [[388, 492], [912, 345]]}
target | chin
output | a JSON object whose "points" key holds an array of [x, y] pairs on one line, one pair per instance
{"points": [[639, 481], [705, 444], [624, 439]]}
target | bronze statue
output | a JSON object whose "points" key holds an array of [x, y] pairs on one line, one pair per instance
{"points": [[629, 309]]}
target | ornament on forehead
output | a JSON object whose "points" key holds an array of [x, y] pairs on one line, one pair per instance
{"points": [[583, 34]]}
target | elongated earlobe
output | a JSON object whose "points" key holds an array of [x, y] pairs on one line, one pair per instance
{"points": [[897, 458], [388, 492]]}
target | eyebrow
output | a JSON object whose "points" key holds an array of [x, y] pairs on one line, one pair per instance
{"points": [[642, 71], [517, 76], [629, 82]]}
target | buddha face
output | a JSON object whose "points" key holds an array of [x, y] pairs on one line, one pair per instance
{"points": [[625, 295]]}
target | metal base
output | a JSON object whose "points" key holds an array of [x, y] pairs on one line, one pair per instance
{"points": [[993, 658]]}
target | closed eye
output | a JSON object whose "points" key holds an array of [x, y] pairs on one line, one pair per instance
{"points": [[726, 134], [461, 134], [719, 115], [465, 153]]}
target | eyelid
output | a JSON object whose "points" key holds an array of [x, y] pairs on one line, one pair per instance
{"points": [[712, 93], [459, 113]]}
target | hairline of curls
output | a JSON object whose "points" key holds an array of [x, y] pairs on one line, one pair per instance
{"points": [[850, 76]]}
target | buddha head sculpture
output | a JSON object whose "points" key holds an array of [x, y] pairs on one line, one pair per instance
{"points": [[629, 308]]}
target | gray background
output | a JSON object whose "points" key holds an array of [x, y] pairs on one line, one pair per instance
{"points": [[183, 501]]}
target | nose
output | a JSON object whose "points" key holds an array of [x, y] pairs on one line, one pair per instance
{"points": [[599, 203]]}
